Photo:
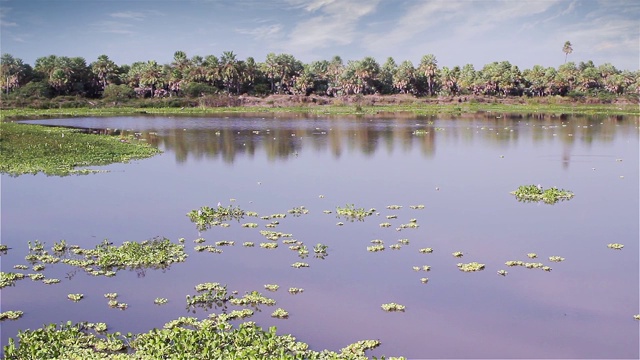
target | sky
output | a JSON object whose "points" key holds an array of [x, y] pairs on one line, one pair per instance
{"points": [[457, 32]]}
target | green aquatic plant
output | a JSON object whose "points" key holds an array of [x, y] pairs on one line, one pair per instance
{"points": [[11, 315], [252, 214], [395, 247], [394, 207], [393, 307], [502, 272], [410, 225], [225, 243], [20, 267], [252, 298], [51, 281], [416, 207], [3, 249], [250, 225], [160, 301], [272, 287], [472, 266], [392, 217], [425, 250], [269, 245], [615, 246], [385, 225], [111, 296], [75, 297], [351, 213], [637, 317], [280, 313], [556, 258], [532, 255], [339, 223], [36, 277], [99, 327], [31, 149], [404, 241], [375, 248], [320, 248], [424, 280], [458, 254], [297, 211], [295, 290], [208, 295], [377, 241], [60, 246], [298, 265], [199, 240], [274, 235], [207, 217], [533, 193], [327, 211], [248, 244]]}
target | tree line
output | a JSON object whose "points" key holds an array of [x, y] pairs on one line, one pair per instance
{"points": [[197, 76]]}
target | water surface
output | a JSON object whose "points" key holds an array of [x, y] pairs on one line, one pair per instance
{"points": [[461, 169]]}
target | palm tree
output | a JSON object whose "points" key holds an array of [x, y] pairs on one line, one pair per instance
{"points": [[229, 70], [152, 76], [103, 68], [429, 68], [404, 78], [567, 49]]}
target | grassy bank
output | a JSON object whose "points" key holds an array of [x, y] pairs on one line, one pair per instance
{"points": [[30, 149], [340, 109]]}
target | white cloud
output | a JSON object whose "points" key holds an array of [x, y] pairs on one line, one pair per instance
{"points": [[113, 27], [128, 15], [262, 32]]}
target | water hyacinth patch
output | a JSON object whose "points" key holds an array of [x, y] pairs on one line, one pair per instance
{"points": [[375, 248], [393, 307], [253, 298], [225, 243], [250, 225], [269, 245], [416, 207], [425, 250], [295, 290], [394, 207], [556, 258], [51, 281], [472, 266], [385, 225], [424, 280], [272, 287], [502, 272], [75, 297], [457, 254], [351, 213], [533, 193], [298, 265], [395, 247], [11, 315], [280, 313], [532, 255], [615, 246], [207, 217], [297, 211], [160, 301], [248, 244]]}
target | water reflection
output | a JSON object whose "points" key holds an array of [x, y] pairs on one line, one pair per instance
{"points": [[285, 138]]}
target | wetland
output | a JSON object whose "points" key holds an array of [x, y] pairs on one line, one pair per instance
{"points": [[530, 276]]}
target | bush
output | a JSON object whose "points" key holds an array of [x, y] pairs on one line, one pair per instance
{"points": [[198, 89], [118, 92]]}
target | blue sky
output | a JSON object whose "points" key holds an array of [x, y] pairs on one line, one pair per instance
{"points": [[457, 32]]}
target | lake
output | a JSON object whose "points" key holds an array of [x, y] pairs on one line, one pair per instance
{"points": [[462, 169]]}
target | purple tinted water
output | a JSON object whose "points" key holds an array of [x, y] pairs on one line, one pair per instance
{"points": [[461, 169]]}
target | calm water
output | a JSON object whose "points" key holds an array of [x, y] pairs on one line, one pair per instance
{"points": [[462, 170]]}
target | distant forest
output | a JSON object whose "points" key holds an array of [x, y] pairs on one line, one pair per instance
{"points": [[55, 76]]}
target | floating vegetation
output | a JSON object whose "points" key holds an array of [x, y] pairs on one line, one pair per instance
{"points": [[160, 301], [385, 225], [472, 266], [252, 214], [375, 248], [280, 313], [297, 211], [59, 246], [395, 247], [637, 317], [11, 315], [420, 132], [394, 207], [250, 225], [514, 263], [199, 240], [20, 267], [75, 297], [295, 290], [36, 277], [377, 241], [225, 243], [289, 241], [327, 211], [404, 241], [416, 207], [206, 217], [339, 223], [213, 336], [615, 246], [303, 252], [298, 265], [533, 193], [393, 307], [532, 255], [209, 295], [410, 225], [253, 298], [51, 281], [424, 280], [426, 250], [556, 258], [31, 149], [3, 249], [111, 296], [248, 244], [320, 248], [272, 287], [273, 235], [272, 245], [502, 272], [392, 217], [351, 213], [457, 254]]}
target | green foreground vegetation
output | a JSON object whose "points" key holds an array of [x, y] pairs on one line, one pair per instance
{"points": [[30, 149]]}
